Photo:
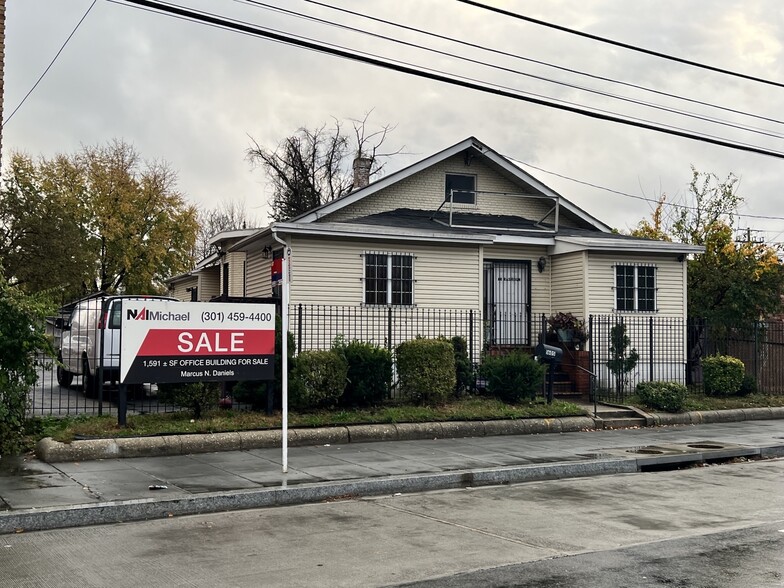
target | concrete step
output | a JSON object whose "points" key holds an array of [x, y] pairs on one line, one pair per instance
{"points": [[623, 423]]}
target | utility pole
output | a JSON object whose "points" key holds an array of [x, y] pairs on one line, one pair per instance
{"points": [[748, 238]]}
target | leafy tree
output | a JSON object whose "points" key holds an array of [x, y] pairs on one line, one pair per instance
{"points": [[42, 239], [22, 343], [731, 282], [100, 219], [313, 167]]}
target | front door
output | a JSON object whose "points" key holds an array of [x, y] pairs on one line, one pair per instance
{"points": [[507, 302]]}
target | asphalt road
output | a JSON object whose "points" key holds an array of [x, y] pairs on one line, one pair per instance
{"points": [[710, 526]]}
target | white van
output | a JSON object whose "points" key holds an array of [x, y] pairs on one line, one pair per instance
{"points": [[94, 325]]}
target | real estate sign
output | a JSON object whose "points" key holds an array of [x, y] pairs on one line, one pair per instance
{"points": [[166, 341]]}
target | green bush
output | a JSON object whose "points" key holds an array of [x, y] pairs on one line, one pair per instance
{"points": [[722, 375], [317, 379], [512, 377], [197, 397], [464, 371], [748, 386], [666, 396], [22, 343], [369, 373], [426, 370]]}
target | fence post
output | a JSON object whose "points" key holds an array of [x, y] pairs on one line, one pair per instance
{"points": [[471, 334], [650, 347], [389, 328], [756, 352], [299, 329]]}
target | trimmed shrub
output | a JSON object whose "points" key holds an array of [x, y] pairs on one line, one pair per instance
{"points": [[369, 373], [722, 375], [513, 377], [197, 397], [464, 371], [426, 370], [317, 379], [666, 396]]}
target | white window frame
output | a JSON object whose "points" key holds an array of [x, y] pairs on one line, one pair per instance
{"points": [[636, 287], [389, 279]]}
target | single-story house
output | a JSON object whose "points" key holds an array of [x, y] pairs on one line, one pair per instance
{"points": [[462, 233]]}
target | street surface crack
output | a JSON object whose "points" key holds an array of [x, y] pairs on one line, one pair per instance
{"points": [[469, 528]]}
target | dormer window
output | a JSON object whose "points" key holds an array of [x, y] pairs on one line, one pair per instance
{"points": [[460, 189]]}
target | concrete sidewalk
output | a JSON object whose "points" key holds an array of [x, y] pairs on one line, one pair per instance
{"points": [[35, 495]]}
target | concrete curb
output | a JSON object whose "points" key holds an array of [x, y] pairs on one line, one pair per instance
{"points": [[52, 451], [149, 508]]}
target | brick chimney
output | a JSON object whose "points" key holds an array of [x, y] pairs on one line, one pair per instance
{"points": [[362, 167]]}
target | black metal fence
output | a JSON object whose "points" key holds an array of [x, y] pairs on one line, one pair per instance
{"points": [[623, 351], [628, 350], [317, 326]]}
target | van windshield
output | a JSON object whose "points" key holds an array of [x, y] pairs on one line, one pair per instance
{"points": [[116, 315]]}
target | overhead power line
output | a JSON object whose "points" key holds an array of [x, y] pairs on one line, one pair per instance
{"points": [[51, 63], [535, 61], [655, 106], [621, 44], [627, 195], [245, 28]]}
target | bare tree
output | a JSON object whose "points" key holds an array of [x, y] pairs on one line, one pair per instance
{"points": [[228, 215], [313, 167]]}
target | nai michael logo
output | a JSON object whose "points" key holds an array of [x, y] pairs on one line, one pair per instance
{"points": [[156, 315]]}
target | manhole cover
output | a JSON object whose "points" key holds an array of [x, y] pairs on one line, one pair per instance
{"points": [[646, 451], [705, 446]]}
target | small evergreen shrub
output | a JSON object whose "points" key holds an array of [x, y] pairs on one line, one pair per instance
{"points": [[748, 386], [369, 373], [197, 397], [666, 396], [464, 371], [722, 375], [317, 379], [513, 377], [426, 370]]}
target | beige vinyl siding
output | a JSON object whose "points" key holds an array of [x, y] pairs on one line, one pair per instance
{"points": [[236, 272], [180, 288], [209, 283], [568, 284], [425, 191], [258, 275], [670, 283], [328, 271], [540, 283]]}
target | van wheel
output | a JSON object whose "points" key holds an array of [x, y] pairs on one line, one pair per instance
{"points": [[64, 377], [89, 384]]}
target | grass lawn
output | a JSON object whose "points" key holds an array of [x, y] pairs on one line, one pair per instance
{"points": [[66, 429], [698, 401]]}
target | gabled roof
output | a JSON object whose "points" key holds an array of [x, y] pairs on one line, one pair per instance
{"points": [[474, 147]]}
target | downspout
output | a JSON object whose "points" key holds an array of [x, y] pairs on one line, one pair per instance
{"points": [[284, 337]]}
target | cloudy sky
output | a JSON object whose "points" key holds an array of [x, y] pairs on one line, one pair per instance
{"points": [[193, 94]]}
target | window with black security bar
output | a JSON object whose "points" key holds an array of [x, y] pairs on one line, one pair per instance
{"points": [[635, 288], [389, 279], [507, 309]]}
